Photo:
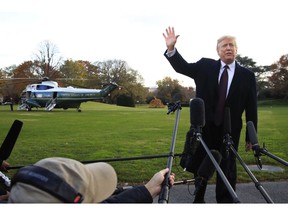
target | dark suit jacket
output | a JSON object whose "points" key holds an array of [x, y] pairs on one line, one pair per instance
{"points": [[137, 194], [242, 94]]}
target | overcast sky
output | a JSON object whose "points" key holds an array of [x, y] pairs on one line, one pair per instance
{"points": [[131, 30]]}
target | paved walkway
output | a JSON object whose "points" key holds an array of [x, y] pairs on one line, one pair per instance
{"points": [[246, 193]]}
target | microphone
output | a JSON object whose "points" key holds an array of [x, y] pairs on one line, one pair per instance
{"points": [[254, 141], [10, 140], [197, 121], [190, 146], [197, 114], [207, 168]]}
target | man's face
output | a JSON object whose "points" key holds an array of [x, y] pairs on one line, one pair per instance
{"points": [[227, 50]]}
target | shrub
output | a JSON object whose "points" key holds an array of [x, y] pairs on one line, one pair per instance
{"points": [[156, 103], [124, 100]]}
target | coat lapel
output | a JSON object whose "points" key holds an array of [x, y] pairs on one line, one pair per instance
{"points": [[216, 73], [214, 84]]}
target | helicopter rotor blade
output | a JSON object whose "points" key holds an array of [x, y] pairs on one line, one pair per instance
{"points": [[10, 140]]}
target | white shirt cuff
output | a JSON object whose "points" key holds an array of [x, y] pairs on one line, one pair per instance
{"points": [[170, 53]]}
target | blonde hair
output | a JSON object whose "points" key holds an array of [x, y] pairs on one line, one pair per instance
{"points": [[226, 37]]}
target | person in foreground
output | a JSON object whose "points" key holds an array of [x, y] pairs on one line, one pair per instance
{"points": [[239, 95], [64, 180]]}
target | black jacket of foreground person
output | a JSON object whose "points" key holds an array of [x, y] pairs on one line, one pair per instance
{"points": [[138, 194]]}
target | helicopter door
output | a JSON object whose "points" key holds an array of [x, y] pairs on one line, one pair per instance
{"points": [[51, 103], [54, 95], [28, 94]]}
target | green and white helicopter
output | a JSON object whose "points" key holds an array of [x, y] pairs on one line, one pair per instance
{"points": [[49, 95]]}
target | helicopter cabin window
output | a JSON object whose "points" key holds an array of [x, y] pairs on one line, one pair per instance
{"points": [[43, 87]]}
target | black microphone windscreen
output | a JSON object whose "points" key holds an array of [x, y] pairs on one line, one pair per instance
{"points": [[207, 168], [227, 121], [197, 112], [10, 140], [252, 133]]}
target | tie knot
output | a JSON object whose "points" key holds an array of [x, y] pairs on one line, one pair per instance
{"points": [[226, 67]]}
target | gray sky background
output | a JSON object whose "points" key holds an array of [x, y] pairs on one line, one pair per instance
{"points": [[131, 30]]}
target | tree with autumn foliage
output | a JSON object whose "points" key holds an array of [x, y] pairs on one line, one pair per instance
{"points": [[279, 78], [129, 80], [21, 76], [170, 90], [260, 74], [79, 74]]}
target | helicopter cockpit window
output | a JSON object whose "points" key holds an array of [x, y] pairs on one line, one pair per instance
{"points": [[43, 87]]}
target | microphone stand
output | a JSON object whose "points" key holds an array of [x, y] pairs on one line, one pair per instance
{"points": [[164, 194], [186, 181], [229, 145], [219, 170], [265, 152]]}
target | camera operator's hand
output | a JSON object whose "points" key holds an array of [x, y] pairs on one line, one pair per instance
{"points": [[4, 166], [154, 186]]}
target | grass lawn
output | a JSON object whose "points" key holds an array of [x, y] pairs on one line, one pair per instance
{"points": [[103, 131]]}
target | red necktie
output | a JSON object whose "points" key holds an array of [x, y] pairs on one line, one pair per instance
{"points": [[222, 91]]}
